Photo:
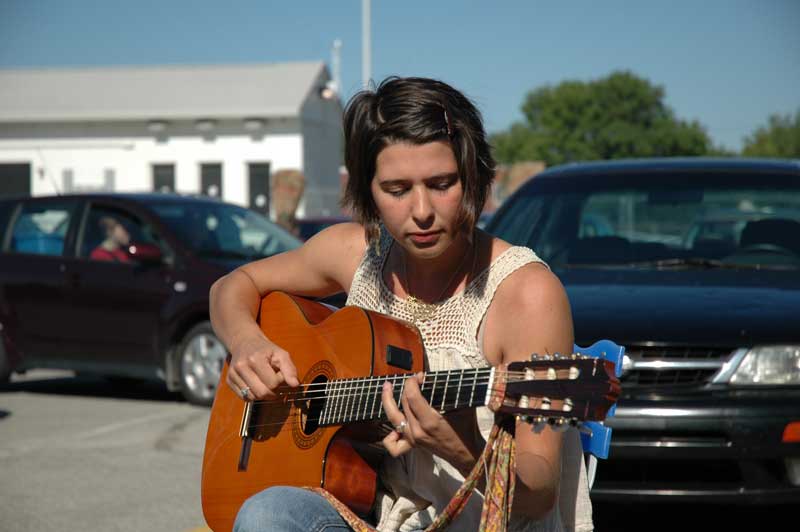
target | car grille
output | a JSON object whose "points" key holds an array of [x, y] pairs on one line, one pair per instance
{"points": [[657, 366]]}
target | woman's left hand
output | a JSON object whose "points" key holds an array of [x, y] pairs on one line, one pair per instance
{"points": [[419, 425]]}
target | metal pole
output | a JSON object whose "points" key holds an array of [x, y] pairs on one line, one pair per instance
{"points": [[337, 71], [366, 43]]}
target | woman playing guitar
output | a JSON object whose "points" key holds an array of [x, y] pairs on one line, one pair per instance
{"points": [[420, 170]]}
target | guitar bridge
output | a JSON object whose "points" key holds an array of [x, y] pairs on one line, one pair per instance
{"points": [[244, 433]]}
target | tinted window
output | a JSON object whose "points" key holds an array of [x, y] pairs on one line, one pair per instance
{"points": [[222, 230], [41, 228], [6, 209], [650, 222]]}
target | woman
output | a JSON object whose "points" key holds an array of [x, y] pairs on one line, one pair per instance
{"points": [[420, 171]]}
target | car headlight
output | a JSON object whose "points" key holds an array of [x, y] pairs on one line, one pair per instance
{"points": [[770, 364]]}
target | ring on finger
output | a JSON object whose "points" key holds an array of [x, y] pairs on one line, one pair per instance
{"points": [[401, 428], [244, 392]]}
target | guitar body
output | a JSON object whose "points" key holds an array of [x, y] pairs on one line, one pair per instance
{"points": [[284, 446]]}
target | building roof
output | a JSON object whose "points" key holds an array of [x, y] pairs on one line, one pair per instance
{"points": [[157, 92]]}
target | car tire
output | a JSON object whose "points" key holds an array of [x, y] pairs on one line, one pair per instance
{"points": [[200, 358]]}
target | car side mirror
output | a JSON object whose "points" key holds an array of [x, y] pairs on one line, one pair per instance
{"points": [[145, 253]]}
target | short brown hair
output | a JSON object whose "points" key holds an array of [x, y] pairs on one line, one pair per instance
{"points": [[417, 111]]}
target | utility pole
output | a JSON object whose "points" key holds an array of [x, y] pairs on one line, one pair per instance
{"points": [[366, 44]]}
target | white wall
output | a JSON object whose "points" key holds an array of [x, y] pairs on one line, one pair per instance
{"points": [[130, 151]]}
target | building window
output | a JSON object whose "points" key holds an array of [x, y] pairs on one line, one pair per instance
{"points": [[211, 179], [164, 178], [258, 174]]}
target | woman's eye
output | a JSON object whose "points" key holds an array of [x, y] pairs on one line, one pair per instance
{"points": [[444, 185], [396, 191]]}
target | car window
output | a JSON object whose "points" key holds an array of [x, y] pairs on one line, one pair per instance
{"points": [[750, 224], [225, 231], [41, 228], [109, 231], [6, 210]]}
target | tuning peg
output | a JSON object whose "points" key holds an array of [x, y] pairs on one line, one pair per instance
{"points": [[574, 372], [559, 424], [551, 374], [567, 405], [545, 403]]}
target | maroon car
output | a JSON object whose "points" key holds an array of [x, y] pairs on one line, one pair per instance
{"points": [[117, 284]]}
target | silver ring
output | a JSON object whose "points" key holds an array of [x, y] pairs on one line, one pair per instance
{"points": [[244, 392], [401, 428]]}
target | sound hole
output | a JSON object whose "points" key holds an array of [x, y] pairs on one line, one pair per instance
{"points": [[312, 404]]}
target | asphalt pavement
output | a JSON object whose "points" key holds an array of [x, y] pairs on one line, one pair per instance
{"points": [[85, 454], [88, 454]]}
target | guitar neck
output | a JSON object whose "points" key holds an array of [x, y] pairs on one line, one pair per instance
{"points": [[350, 400]]}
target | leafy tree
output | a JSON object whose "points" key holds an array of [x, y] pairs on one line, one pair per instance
{"points": [[618, 116], [779, 138]]}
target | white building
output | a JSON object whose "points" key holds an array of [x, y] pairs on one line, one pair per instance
{"points": [[215, 130]]}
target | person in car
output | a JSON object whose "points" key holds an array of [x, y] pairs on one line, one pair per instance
{"points": [[420, 171], [114, 245]]}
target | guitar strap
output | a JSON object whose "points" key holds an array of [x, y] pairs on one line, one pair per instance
{"points": [[498, 457]]}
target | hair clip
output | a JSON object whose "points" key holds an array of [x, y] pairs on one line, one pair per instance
{"points": [[447, 122]]}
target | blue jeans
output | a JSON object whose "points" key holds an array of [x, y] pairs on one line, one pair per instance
{"points": [[285, 509]]}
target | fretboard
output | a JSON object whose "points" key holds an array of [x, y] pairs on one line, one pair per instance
{"points": [[350, 400]]}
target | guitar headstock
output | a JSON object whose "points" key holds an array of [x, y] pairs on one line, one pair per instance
{"points": [[560, 390]]}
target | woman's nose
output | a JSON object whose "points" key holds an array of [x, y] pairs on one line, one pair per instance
{"points": [[422, 208]]}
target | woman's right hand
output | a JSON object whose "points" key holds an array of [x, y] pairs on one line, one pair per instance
{"points": [[259, 367]]}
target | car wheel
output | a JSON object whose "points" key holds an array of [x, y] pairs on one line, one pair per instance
{"points": [[200, 359]]}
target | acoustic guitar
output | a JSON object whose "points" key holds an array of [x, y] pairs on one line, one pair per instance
{"points": [[327, 432]]}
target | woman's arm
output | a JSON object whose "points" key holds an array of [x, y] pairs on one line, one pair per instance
{"points": [[322, 266], [531, 314]]}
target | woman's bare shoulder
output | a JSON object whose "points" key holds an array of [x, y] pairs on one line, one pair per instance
{"points": [[341, 245]]}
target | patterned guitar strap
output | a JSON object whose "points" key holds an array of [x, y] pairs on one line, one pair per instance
{"points": [[498, 458]]}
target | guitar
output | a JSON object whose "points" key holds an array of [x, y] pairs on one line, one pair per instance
{"points": [[327, 432]]}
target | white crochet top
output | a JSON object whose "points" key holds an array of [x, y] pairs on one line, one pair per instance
{"points": [[418, 485]]}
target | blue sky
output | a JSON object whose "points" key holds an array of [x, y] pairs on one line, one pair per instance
{"points": [[727, 63]]}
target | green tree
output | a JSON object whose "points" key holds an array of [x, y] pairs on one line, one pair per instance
{"points": [[618, 116], [779, 138]]}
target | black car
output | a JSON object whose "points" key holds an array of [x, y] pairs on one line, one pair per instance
{"points": [[117, 284], [694, 266]]}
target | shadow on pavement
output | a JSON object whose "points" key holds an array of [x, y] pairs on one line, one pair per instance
{"points": [[92, 386]]}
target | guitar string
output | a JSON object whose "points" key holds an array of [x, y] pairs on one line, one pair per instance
{"points": [[298, 414], [480, 372], [362, 382], [356, 416], [373, 386]]}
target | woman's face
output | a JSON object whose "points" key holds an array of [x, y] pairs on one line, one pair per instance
{"points": [[418, 195]]}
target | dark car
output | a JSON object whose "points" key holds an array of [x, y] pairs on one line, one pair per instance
{"points": [[117, 284], [709, 314], [308, 227]]}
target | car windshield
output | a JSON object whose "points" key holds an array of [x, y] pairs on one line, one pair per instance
{"points": [[739, 223], [224, 230]]}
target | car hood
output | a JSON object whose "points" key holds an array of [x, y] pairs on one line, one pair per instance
{"points": [[716, 307]]}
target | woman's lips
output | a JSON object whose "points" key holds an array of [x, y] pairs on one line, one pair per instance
{"points": [[424, 238]]}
